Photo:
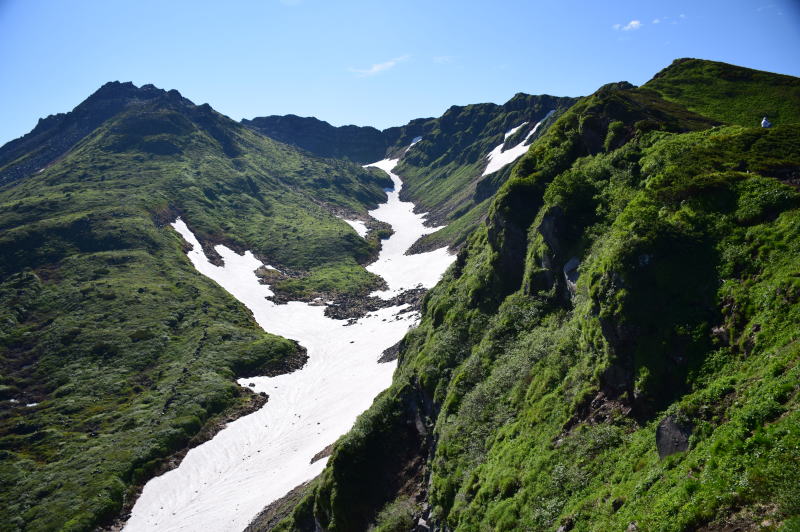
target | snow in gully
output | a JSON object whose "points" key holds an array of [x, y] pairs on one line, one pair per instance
{"points": [[223, 483]]}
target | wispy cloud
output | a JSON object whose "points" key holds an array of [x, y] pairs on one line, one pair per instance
{"points": [[291, 2], [666, 19], [377, 68], [443, 59], [632, 25]]}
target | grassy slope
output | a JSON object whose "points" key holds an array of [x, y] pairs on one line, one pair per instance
{"points": [[105, 324], [520, 406], [749, 94]]}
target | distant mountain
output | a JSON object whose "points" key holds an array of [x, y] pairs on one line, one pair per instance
{"points": [[359, 144]]}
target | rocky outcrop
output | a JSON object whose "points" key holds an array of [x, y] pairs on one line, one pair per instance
{"points": [[571, 274], [672, 436], [353, 307]]}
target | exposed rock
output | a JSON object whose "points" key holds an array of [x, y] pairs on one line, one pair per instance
{"points": [[567, 524], [571, 274], [391, 353], [322, 454], [353, 307], [276, 511], [672, 436]]}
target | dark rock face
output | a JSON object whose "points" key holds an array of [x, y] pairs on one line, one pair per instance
{"points": [[352, 308], [672, 436], [358, 144], [391, 353]]}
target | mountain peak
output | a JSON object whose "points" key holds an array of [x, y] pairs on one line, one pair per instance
{"points": [[127, 91], [56, 134]]}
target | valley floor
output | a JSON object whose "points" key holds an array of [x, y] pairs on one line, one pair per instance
{"points": [[224, 483]]}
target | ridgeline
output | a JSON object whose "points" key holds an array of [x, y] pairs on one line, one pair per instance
{"points": [[615, 347]]}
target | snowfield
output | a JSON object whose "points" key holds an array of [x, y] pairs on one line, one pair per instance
{"points": [[402, 272], [222, 484]]}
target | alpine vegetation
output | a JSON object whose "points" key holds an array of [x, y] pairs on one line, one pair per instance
{"points": [[553, 314]]}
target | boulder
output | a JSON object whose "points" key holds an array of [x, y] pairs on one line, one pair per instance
{"points": [[672, 436]]}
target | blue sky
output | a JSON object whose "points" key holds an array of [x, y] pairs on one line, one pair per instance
{"points": [[367, 62]]}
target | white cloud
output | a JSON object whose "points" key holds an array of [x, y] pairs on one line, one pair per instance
{"points": [[656, 20], [443, 59], [632, 25], [291, 2], [377, 68]]}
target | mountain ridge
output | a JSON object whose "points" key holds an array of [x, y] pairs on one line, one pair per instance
{"points": [[633, 274]]}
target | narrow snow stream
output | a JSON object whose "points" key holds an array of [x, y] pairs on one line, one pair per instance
{"points": [[222, 484]]}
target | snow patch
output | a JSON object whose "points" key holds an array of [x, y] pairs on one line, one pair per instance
{"points": [[359, 226], [498, 158]]}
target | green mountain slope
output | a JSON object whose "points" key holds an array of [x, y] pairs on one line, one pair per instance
{"points": [[57, 134], [729, 93], [616, 348], [114, 351]]}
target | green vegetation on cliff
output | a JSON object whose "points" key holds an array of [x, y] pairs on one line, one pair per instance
{"points": [[615, 348]]}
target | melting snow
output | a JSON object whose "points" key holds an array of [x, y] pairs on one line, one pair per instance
{"points": [[499, 158], [359, 226], [223, 483], [402, 272]]}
